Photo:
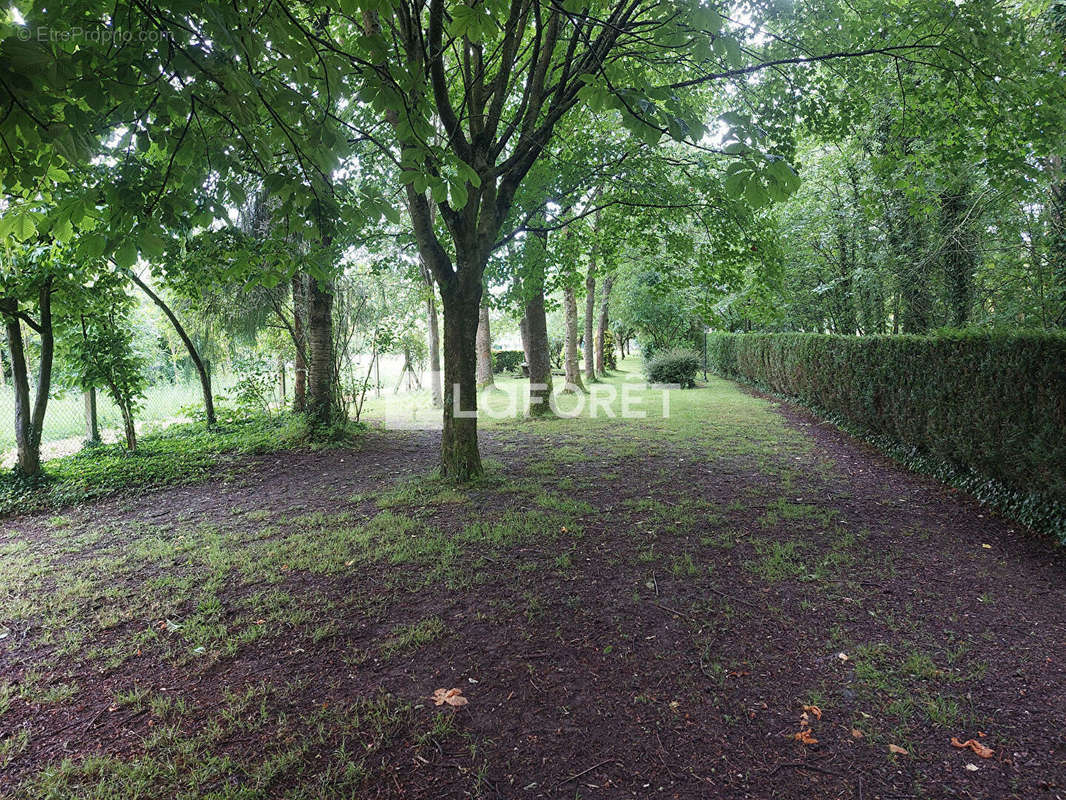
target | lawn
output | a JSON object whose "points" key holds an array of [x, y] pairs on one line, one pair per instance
{"points": [[731, 601]]}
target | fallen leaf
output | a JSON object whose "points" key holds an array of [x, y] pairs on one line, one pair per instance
{"points": [[974, 745], [805, 736], [971, 767], [814, 710], [899, 751], [856, 733], [453, 697]]}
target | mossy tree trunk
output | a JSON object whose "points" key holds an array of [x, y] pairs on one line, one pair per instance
{"points": [[460, 458], [601, 328], [320, 340], [299, 336]]}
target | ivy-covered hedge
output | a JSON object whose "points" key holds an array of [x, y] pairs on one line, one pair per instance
{"points": [[987, 404]]}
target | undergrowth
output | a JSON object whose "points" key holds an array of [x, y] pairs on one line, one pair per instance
{"points": [[182, 453]]}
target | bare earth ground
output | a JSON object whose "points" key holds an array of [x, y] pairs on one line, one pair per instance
{"points": [[633, 609]]}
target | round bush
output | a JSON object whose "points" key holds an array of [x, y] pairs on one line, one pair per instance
{"points": [[678, 366]]}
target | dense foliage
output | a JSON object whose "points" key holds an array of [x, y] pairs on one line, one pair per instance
{"points": [[507, 360], [675, 366], [990, 403]]}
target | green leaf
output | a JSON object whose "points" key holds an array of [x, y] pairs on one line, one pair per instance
{"points": [[151, 245], [23, 226], [458, 194], [755, 193], [392, 214], [126, 255]]}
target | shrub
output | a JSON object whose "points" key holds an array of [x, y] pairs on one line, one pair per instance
{"points": [[989, 404], [555, 351], [507, 360], [678, 366]]}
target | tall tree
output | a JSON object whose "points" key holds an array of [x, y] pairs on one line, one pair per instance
{"points": [[484, 349], [573, 371], [602, 325], [194, 354], [29, 418]]}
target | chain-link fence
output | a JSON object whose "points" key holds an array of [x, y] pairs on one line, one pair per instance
{"points": [[66, 422]]}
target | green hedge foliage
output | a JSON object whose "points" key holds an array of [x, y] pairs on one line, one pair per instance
{"points": [[987, 404], [507, 360], [677, 366]]}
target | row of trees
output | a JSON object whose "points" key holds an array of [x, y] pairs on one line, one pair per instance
{"points": [[251, 153]]}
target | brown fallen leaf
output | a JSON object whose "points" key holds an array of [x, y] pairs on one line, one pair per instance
{"points": [[972, 744], [814, 710], [805, 736], [856, 733], [899, 751], [453, 697]]}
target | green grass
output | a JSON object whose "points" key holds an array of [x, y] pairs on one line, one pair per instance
{"points": [[738, 423], [181, 453], [325, 751], [381, 576]]}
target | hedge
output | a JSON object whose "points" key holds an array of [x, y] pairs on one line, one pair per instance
{"points": [[507, 360], [988, 404]]}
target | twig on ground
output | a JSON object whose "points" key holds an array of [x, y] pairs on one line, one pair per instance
{"points": [[805, 765], [577, 775]]}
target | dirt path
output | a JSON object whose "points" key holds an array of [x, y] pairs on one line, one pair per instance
{"points": [[630, 614]]}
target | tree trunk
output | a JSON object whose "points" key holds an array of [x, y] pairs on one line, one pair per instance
{"points": [[29, 423], [320, 339], [484, 349], [205, 376], [573, 372], [128, 427], [538, 354], [602, 328], [590, 314], [958, 252], [434, 342], [92, 425], [460, 459], [29, 453], [281, 379], [299, 310], [523, 333]]}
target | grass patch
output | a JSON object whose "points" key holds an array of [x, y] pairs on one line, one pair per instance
{"points": [[179, 454]]}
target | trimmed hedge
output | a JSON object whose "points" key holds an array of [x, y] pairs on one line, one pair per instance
{"points": [[507, 360], [986, 403], [677, 366]]}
